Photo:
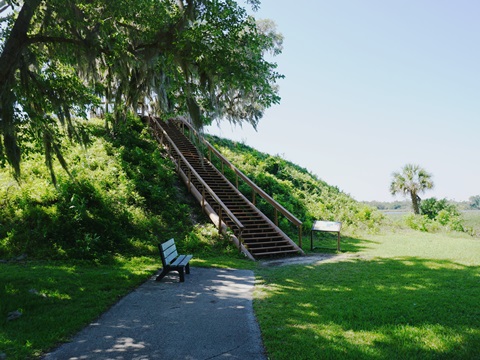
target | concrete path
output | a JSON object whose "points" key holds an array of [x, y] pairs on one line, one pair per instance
{"points": [[209, 316]]}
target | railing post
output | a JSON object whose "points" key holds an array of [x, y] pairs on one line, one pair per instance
{"points": [[253, 199], [236, 179], [189, 180], [300, 236], [219, 219], [203, 198], [240, 240], [276, 216]]}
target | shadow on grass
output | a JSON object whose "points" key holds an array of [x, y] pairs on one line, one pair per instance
{"points": [[324, 242], [399, 309], [57, 299]]}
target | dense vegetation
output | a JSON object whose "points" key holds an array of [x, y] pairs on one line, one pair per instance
{"points": [[59, 58], [302, 193], [122, 198]]}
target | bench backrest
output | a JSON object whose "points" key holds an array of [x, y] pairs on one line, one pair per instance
{"points": [[168, 251]]}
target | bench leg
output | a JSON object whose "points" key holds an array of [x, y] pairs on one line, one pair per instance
{"points": [[181, 272], [162, 274]]}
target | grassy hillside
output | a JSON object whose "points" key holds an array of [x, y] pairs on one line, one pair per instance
{"points": [[123, 197], [299, 191]]}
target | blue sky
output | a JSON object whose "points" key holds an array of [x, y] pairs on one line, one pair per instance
{"points": [[373, 85]]}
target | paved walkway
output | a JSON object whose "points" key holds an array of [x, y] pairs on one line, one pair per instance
{"points": [[209, 316]]}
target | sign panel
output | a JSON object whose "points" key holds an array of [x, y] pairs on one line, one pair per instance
{"points": [[332, 226]]}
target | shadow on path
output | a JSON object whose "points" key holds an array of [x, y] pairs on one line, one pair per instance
{"points": [[209, 316]]}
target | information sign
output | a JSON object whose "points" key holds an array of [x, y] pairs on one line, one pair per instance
{"points": [[326, 226]]}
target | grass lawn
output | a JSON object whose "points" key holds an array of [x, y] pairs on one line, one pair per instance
{"points": [[58, 299], [402, 295], [407, 295]]}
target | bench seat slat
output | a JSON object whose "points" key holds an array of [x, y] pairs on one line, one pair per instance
{"points": [[182, 260]]}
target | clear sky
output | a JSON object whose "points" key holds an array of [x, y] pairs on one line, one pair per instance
{"points": [[372, 85]]}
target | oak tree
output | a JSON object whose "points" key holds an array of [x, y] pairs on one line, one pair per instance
{"points": [[61, 58]]}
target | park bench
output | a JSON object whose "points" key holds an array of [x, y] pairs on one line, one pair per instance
{"points": [[171, 261]]}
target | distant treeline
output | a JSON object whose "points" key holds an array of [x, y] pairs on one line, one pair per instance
{"points": [[407, 205]]}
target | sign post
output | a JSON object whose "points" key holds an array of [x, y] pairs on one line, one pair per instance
{"points": [[326, 226]]}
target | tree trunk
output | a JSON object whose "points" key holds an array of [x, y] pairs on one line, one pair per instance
{"points": [[15, 44], [415, 203], [9, 63]]}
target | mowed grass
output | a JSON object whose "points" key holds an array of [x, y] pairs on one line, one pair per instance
{"points": [[58, 299], [401, 295], [407, 295]]}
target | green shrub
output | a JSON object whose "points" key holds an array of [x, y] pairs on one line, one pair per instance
{"points": [[443, 213], [431, 207], [122, 198], [420, 223]]}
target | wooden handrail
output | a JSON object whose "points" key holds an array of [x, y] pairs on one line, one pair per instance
{"points": [[223, 207], [255, 188]]}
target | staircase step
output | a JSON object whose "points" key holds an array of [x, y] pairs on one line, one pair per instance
{"points": [[260, 236], [266, 244], [274, 253]]}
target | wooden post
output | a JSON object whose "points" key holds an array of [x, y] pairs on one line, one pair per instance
{"points": [[240, 241], [220, 219], [300, 236], [276, 216]]}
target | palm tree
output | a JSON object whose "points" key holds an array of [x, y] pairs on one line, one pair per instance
{"points": [[412, 180]]}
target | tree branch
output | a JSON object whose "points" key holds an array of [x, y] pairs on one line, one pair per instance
{"points": [[52, 39], [16, 42]]}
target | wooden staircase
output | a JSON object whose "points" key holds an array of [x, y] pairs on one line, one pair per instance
{"points": [[257, 235]]}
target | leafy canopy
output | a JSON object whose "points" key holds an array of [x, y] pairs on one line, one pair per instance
{"points": [[61, 58]]}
